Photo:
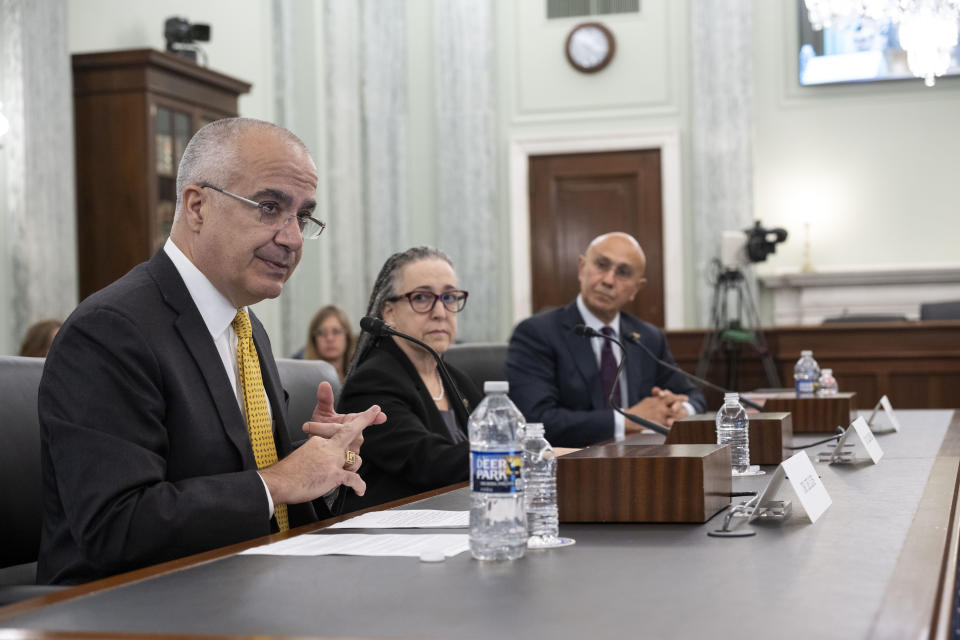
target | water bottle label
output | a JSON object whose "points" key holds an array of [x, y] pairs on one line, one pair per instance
{"points": [[805, 386], [495, 471]]}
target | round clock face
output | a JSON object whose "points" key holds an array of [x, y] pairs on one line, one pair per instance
{"points": [[590, 47]]}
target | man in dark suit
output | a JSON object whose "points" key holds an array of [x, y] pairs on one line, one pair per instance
{"points": [[161, 410], [564, 380]]}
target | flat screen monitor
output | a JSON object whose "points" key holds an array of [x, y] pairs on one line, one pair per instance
{"points": [[855, 50]]}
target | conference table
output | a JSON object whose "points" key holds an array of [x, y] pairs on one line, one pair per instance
{"points": [[880, 562]]}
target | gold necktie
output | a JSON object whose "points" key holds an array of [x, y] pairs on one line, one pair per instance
{"points": [[255, 404]]}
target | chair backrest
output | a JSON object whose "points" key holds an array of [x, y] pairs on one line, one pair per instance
{"points": [[300, 379], [480, 361], [949, 310], [20, 478], [866, 317]]}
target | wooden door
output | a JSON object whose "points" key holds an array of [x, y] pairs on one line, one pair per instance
{"points": [[576, 197]]}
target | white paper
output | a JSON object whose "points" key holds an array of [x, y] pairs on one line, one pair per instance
{"points": [[363, 544], [407, 519], [869, 441], [888, 410], [807, 485]]}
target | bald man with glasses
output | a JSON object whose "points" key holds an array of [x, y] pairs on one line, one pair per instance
{"points": [[567, 381]]}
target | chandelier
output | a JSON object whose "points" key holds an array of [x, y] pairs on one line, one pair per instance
{"points": [[928, 28]]}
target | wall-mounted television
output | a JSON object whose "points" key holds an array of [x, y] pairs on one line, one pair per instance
{"points": [[855, 50]]}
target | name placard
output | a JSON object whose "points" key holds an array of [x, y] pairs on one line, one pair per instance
{"points": [[867, 439], [807, 485], [888, 412]]}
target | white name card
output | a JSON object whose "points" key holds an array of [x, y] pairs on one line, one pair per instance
{"points": [[891, 416], [867, 439], [807, 485]]}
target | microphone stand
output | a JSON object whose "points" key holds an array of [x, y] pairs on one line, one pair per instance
{"points": [[649, 424], [636, 339], [379, 328]]}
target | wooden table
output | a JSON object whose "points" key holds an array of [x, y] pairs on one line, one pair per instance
{"points": [[881, 562]]}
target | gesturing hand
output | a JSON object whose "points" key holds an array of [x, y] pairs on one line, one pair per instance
{"points": [[317, 466]]}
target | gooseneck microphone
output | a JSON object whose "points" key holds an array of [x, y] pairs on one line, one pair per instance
{"points": [[377, 328], [587, 332], [637, 339]]}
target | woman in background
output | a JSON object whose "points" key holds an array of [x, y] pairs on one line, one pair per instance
{"points": [[423, 444], [36, 342], [329, 338]]}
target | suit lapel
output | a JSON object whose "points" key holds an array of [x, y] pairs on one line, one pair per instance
{"points": [[581, 352], [197, 339]]}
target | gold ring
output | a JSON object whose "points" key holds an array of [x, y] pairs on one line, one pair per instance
{"points": [[349, 459]]}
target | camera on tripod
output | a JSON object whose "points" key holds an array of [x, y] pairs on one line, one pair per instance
{"points": [[741, 248]]}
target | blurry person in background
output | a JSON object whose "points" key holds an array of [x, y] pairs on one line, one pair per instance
{"points": [[36, 342], [330, 338]]}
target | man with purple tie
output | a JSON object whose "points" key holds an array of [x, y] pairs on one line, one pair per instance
{"points": [[564, 380]]}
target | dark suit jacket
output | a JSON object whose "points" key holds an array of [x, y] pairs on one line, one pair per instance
{"points": [[554, 377], [145, 453], [412, 451]]}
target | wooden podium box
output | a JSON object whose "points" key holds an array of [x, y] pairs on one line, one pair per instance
{"points": [[643, 483], [812, 415], [769, 434]]}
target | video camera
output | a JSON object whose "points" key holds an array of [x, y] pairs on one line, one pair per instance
{"points": [[754, 244], [182, 37]]}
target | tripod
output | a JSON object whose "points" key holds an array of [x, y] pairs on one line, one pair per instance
{"points": [[728, 333]]}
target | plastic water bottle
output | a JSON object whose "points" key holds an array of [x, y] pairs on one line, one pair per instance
{"points": [[827, 385], [733, 428], [805, 375], [540, 489], [498, 528]]}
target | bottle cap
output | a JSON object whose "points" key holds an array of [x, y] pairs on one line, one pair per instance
{"points": [[806, 352], [496, 386], [432, 555], [827, 372], [731, 397]]}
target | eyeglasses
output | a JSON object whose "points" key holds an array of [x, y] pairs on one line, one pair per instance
{"points": [[423, 301], [323, 333], [272, 216]]}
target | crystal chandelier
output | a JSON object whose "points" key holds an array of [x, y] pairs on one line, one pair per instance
{"points": [[928, 28]]}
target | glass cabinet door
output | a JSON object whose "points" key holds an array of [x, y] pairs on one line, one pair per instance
{"points": [[173, 130]]}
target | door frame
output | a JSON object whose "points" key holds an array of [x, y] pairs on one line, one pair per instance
{"points": [[667, 140]]}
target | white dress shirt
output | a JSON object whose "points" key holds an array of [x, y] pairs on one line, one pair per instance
{"points": [[218, 314]]}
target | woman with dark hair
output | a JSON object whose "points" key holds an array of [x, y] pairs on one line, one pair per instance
{"points": [[330, 338], [423, 444]]}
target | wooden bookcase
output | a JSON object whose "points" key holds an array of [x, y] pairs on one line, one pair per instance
{"points": [[134, 113]]}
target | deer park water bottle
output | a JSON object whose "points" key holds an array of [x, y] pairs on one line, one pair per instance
{"points": [[540, 489], [805, 375], [498, 528], [733, 428]]}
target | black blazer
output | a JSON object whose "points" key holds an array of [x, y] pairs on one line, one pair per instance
{"points": [[412, 451], [554, 377], [145, 453]]}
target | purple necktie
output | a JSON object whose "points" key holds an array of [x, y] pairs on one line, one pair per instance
{"points": [[608, 369]]}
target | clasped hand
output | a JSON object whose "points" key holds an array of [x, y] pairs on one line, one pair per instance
{"points": [[317, 466], [661, 406]]}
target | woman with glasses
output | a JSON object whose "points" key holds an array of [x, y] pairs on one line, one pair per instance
{"points": [[423, 444], [330, 338]]}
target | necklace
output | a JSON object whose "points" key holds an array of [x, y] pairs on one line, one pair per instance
{"points": [[442, 390]]}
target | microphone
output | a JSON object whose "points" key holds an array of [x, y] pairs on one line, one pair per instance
{"points": [[378, 328], [637, 339], [587, 332]]}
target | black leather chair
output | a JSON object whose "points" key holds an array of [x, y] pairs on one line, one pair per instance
{"points": [[300, 379], [481, 361], [20, 479], [949, 310]]}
